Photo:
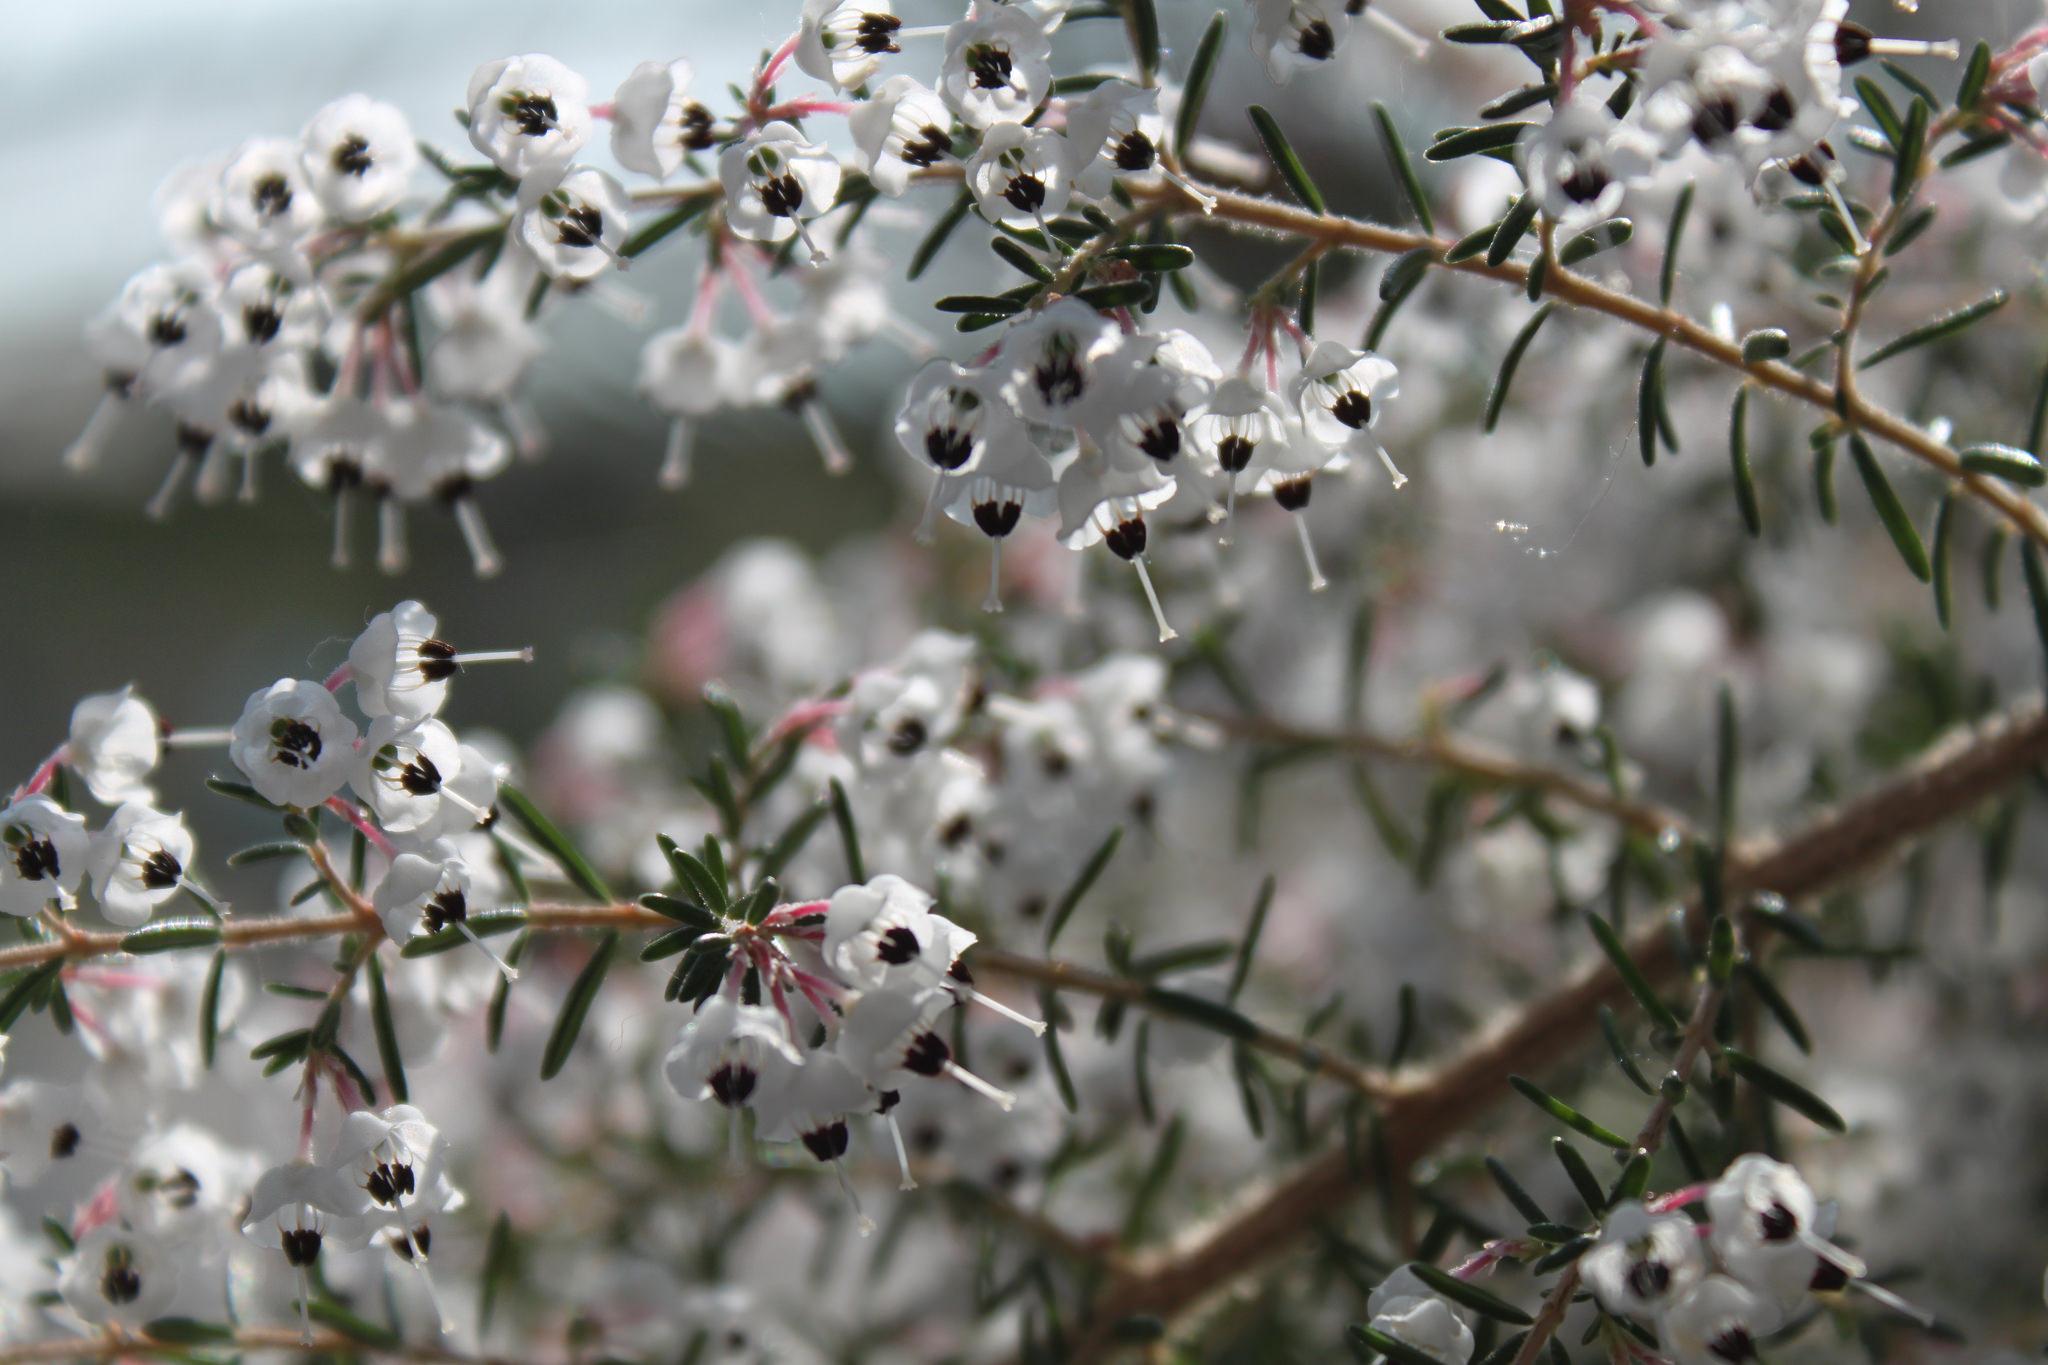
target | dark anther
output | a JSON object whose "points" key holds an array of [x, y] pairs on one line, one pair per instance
{"points": [[273, 195], [1778, 112], [36, 860], [1733, 1344], [352, 155], [535, 114], [1055, 764], [120, 1284], [956, 831], [437, 661], [782, 195], [294, 743], [696, 124], [1234, 453], [958, 972], [1058, 378], [1584, 184], [250, 416], [1126, 539], [582, 226], [1318, 40], [908, 736], [1353, 408], [181, 1191], [888, 1100], [301, 1246], [927, 1055], [378, 1187], [261, 321], [420, 777], [827, 1143], [342, 475], [445, 908], [193, 440], [948, 447], [997, 519], [877, 34], [1025, 193], [1649, 1279], [732, 1083], [1778, 1223], [929, 148], [1852, 43], [161, 871], [166, 329], [1135, 152], [1161, 440], [990, 65], [898, 946], [64, 1140], [1715, 121], [1293, 493], [1827, 1278]]}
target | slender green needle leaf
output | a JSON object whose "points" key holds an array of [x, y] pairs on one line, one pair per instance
{"points": [[1397, 156], [554, 843], [1890, 510], [1948, 324], [388, 1056], [1784, 1090], [1196, 90], [1497, 400], [1285, 161], [1071, 899], [1565, 1114]]}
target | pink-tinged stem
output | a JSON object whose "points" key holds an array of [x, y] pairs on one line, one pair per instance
{"points": [[705, 302], [40, 778], [98, 1210], [774, 66], [363, 824], [603, 110], [338, 677], [401, 363], [743, 285], [804, 108], [309, 1090], [1677, 1199], [782, 914], [806, 715], [1485, 1259], [351, 362], [109, 979], [346, 1093]]}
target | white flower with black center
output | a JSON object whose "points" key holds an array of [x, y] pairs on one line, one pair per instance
{"points": [[1339, 395], [404, 769], [655, 123], [184, 1187], [998, 66], [1643, 1262], [359, 157], [1010, 481], [428, 893], [162, 331], [438, 452], [1113, 130], [1018, 176], [401, 666], [44, 1125], [883, 935], [291, 1210], [42, 856], [1149, 384], [117, 1277], [264, 201], [528, 114], [900, 129], [1104, 502], [114, 745], [574, 230], [293, 743], [1291, 36], [739, 1055], [335, 445], [266, 310], [1581, 163], [775, 182], [951, 416], [1709, 80], [1716, 1322], [889, 1036], [1764, 1231], [137, 862], [400, 1162], [1052, 359], [843, 42]]}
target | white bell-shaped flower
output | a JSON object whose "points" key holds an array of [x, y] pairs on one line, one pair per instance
{"points": [[1716, 1322], [686, 373], [655, 123], [739, 1055], [843, 42], [1580, 163], [359, 156], [528, 114], [1113, 130], [889, 1036], [264, 201], [118, 1277], [44, 1124], [137, 862], [1764, 1230], [1019, 176], [776, 181], [293, 743], [1052, 359], [1643, 1262], [403, 771], [883, 935], [114, 746], [1011, 480], [1339, 395], [43, 856], [998, 65], [401, 666], [900, 129], [575, 229]]}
